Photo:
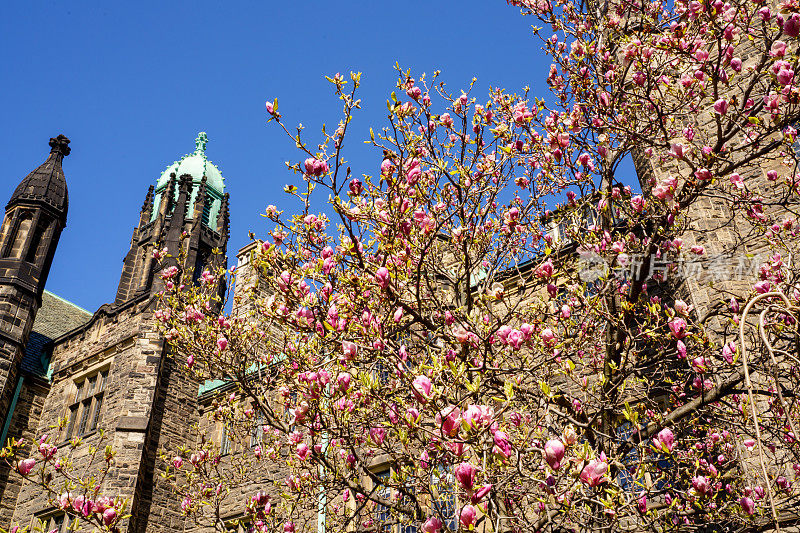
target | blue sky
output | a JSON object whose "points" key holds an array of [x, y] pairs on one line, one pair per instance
{"points": [[131, 84]]}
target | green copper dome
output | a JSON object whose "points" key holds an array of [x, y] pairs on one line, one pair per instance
{"points": [[196, 165]]}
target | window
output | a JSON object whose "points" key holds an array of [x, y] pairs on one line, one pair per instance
{"points": [[34, 251], [239, 525], [54, 523], [385, 522], [289, 405], [224, 441], [257, 429], [84, 413], [14, 249], [630, 477], [382, 372], [200, 263], [382, 513], [6, 228], [444, 502], [207, 209]]}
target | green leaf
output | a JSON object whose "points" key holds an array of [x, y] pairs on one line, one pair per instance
{"points": [[628, 413]]}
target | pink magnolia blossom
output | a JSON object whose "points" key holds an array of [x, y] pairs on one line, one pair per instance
{"points": [[545, 270], [699, 364], [515, 339], [702, 485], [502, 445], [681, 349], [349, 350], [721, 106], [478, 416], [25, 466], [382, 276], [593, 474], [432, 525], [791, 26], [762, 287], [554, 453], [728, 351], [303, 451], [778, 49], [703, 174], [222, 343], [422, 388], [270, 107], [785, 76], [449, 419], [481, 493], [462, 335], [748, 505], [109, 516], [468, 517], [677, 151], [677, 327], [665, 440], [465, 475], [343, 380]]}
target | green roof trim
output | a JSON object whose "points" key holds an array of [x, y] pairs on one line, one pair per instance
{"points": [[210, 385], [71, 304], [213, 384]]}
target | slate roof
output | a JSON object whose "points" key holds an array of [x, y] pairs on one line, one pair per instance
{"points": [[47, 182], [56, 317]]}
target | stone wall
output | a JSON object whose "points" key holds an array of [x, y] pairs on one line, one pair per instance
{"points": [[24, 424], [124, 344]]}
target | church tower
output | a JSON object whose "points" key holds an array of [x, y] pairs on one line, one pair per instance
{"points": [[34, 218], [186, 213]]}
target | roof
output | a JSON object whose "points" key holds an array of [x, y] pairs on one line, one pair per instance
{"points": [[47, 183], [56, 317], [196, 165]]}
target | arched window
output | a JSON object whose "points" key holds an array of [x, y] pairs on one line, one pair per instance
{"points": [[6, 229], [207, 209], [37, 247], [20, 236]]}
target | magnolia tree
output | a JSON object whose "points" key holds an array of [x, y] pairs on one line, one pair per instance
{"points": [[422, 353]]}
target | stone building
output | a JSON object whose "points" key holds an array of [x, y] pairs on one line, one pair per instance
{"points": [[107, 369]]}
